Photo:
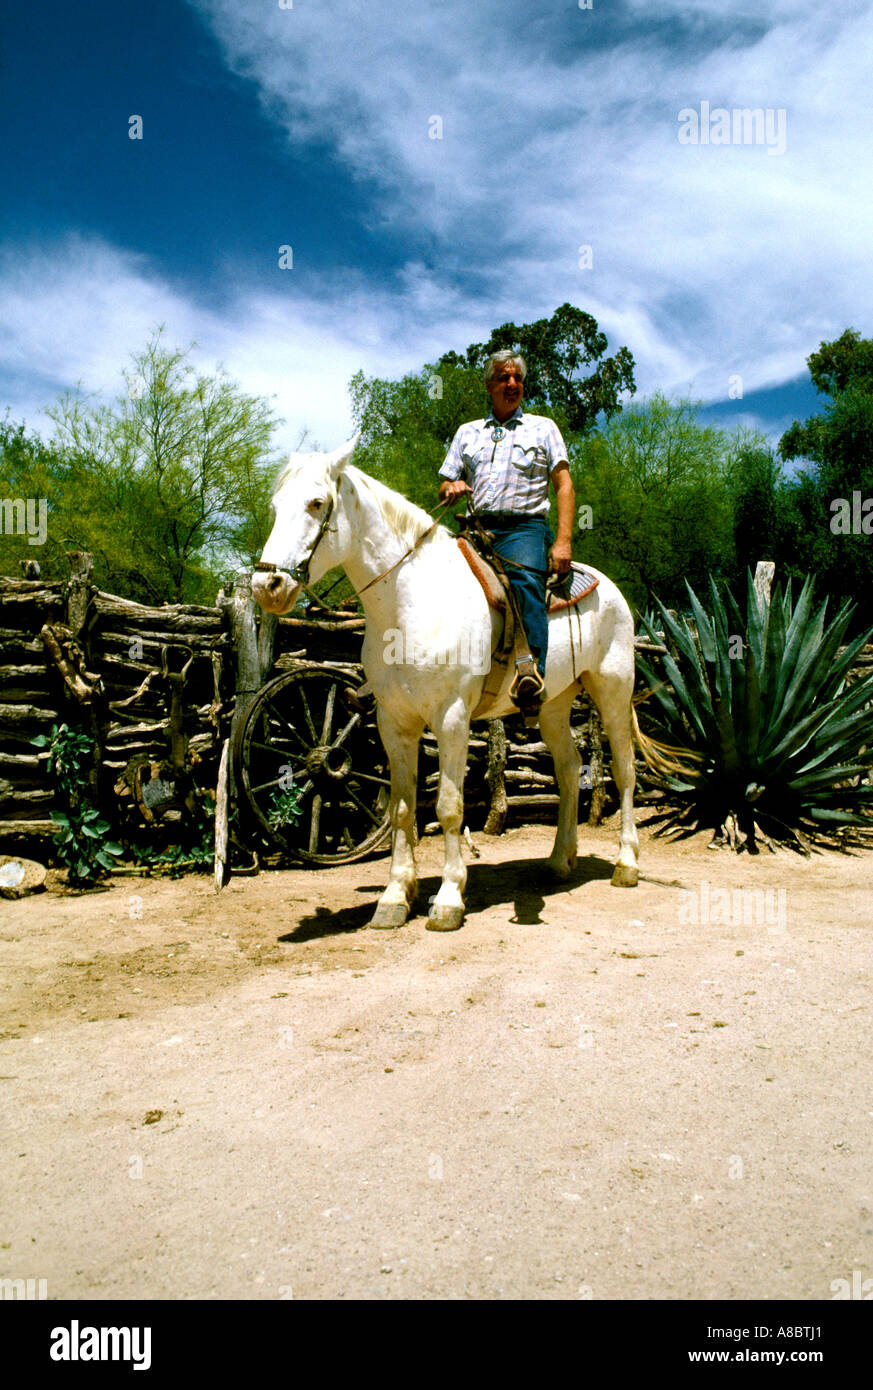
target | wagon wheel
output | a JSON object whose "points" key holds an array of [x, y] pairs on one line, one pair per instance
{"points": [[310, 763]]}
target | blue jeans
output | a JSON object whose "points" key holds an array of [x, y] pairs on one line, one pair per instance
{"points": [[526, 540]]}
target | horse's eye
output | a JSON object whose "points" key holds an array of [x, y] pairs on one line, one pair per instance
{"points": [[315, 505]]}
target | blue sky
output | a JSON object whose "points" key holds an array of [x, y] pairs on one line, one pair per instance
{"points": [[310, 126]]}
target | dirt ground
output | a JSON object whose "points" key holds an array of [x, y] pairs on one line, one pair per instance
{"points": [[587, 1092]]}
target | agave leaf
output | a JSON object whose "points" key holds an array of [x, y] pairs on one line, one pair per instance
{"points": [[826, 777], [815, 661], [756, 622], [659, 690], [705, 632], [839, 817]]}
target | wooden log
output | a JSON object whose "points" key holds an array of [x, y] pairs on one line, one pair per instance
{"points": [[291, 662], [13, 604], [68, 657], [530, 778], [495, 776], [240, 610], [267, 626], [18, 673], [763, 581], [128, 733], [27, 694], [140, 617], [8, 585], [20, 829], [16, 715], [18, 764], [338, 624], [513, 749], [220, 865], [36, 796], [595, 763], [79, 589], [108, 642], [18, 646]]}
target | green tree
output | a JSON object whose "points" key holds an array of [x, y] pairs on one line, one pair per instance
{"points": [[759, 494], [555, 351], [407, 425], [655, 481], [836, 450], [30, 472], [170, 485]]}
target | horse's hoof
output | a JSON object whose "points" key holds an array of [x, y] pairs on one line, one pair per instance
{"points": [[625, 877], [389, 915], [445, 918], [560, 870]]}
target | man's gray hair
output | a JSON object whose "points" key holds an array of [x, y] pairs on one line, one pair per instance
{"points": [[499, 359]]}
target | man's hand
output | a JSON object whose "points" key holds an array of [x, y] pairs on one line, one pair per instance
{"points": [[561, 552], [453, 488], [560, 556]]}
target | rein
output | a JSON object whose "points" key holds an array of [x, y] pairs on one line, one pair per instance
{"points": [[301, 572]]}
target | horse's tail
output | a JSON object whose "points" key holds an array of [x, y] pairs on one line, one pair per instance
{"points": [[663, 757]]}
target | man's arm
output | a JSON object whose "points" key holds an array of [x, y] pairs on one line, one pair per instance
{"points": [[453, 484], [561, 552]]}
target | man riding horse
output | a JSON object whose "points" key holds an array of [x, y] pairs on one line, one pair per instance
{"points": [[505, 462]]}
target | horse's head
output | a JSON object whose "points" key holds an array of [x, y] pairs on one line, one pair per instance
{"points": [[307, 538]]}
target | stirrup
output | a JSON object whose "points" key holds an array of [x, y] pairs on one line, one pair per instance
{"points": [[528, 686]]}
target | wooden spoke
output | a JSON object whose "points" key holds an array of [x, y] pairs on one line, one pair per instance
{"points": [[344, 733], [289, 727], [314, 824], [368, 777], [271, 748], [307, 715], [359, 803], [262, 786], [328, 714]]}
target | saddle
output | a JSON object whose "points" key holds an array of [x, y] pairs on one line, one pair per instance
{"points": [[512, 652]]}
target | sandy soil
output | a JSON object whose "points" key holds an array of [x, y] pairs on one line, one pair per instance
{"points": [[581, 1094]]}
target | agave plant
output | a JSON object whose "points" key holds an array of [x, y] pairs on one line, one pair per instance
{"points": [[761, 717]]}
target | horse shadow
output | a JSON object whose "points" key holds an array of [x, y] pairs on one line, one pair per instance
{"points": [[524, 883]]}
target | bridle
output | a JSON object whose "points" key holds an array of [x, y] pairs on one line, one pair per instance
{"points": [[300, 572]]}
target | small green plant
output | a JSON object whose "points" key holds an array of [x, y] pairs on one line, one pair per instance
{"points": [[763, 719], [196, 846], [81, 838], [287, 808]]}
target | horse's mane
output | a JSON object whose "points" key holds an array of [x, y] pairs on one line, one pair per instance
{"points": [[404, 518]]}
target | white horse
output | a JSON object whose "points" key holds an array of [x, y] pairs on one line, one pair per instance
{"points": [[427, 624]]}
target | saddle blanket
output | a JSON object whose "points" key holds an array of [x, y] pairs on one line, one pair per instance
{"points": [[563, 594]]}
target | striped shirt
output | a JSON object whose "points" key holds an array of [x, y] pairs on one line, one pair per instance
{"points": [[510, 474]]}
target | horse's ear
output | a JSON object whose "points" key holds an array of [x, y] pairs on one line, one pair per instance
{"points": [[340, 457]]}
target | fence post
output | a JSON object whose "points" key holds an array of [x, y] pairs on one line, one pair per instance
{"points": [[595, 753], [78, 589], [764, 572], [244, 635], [495, 779]]}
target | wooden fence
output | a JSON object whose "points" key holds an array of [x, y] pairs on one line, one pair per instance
{"points": [[160, 688]]}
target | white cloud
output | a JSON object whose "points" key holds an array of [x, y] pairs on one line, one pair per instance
{"points": [[73, 312], [708, 261], [546, 148]]}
